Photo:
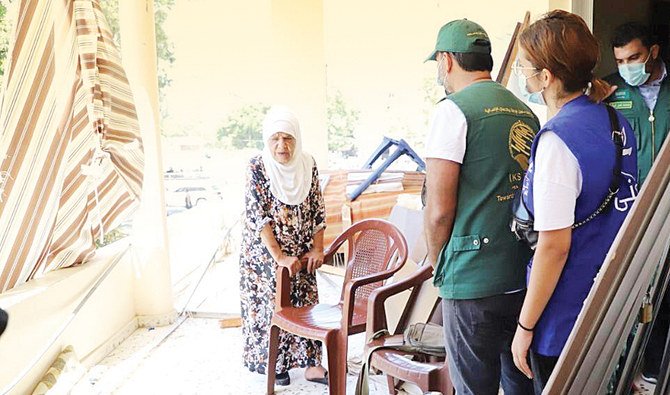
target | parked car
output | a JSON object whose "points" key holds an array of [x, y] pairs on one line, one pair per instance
{"points": [[190, 196]]}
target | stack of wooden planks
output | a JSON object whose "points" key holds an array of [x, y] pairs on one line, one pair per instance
{"points": [[341, 213]]}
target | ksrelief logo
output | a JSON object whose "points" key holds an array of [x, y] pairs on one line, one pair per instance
{"points": [[520, 141], [621, 95]]}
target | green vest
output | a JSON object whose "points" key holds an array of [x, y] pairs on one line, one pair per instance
{"points": [[483, 258], [651, 126]]}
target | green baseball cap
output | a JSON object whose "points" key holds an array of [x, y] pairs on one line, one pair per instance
{"points": [[461, 35]]}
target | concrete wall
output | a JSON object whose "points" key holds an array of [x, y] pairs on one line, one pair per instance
{"points": [[39, 308], [298, 66], [231, 53], [235, 53], [375, 58], [375, 52], [560, 4]]}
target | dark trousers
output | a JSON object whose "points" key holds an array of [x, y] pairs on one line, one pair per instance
{"points": [[3, 320], [653, 354], [541, 366], [478, 334]]}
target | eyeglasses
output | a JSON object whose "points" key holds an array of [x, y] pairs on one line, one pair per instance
{"points": [[517, 68]]}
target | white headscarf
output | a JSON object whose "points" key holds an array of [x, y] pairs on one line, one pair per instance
{"points": [[290, 183]]}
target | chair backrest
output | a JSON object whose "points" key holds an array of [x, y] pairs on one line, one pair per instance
{"points": [[422, 304], [375, 246]]}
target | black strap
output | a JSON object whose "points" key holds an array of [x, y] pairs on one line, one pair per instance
{"points": [[617, 138]]}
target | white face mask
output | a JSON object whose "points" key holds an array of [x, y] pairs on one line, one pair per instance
{"points": [[441, 75], [439, 80], [530, 97], [635, 74]]}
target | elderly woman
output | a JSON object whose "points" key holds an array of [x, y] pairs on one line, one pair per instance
{"points": [[284, 225]]}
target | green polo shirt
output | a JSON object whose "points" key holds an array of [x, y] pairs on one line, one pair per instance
{"points": [[482, 257]]}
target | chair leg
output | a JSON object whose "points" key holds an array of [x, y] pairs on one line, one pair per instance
{"points": [[273, 350], [446, 387], [390, 381], [337, 364]]}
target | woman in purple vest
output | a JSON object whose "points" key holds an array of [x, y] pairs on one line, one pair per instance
{"points": [[571, 171]]}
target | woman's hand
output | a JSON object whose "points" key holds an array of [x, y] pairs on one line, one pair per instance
{"points": [[313, 260], [520, 347], [291, 263]]}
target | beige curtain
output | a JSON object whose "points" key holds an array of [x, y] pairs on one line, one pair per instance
{"points": [[71, 156]]}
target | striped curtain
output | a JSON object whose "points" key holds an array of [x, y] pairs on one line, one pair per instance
{"points": [[71, 156]]}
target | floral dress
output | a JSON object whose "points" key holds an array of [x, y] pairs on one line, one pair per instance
{"points": [[294, 227]]}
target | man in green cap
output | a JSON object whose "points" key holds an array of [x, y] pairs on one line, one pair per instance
{"points": [[477, 152]]}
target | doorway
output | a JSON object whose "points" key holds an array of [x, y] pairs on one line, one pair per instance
{"points": [[608, 14]]}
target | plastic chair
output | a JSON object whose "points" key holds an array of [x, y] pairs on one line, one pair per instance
{"points": [[377, 250], [426, 372]]}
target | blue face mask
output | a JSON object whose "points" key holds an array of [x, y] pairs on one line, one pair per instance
{"points": [[530, 97], [635, 74]]}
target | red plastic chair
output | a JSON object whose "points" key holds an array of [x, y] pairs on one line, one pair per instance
{"points": [[426, 372], [377, 250]]}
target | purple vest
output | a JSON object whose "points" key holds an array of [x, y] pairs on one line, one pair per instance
{"points": [[585, 128]]}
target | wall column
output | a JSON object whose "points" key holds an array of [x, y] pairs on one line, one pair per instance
{"points": [[584, 8], [298, 56], [560, 4], [153, 285]]}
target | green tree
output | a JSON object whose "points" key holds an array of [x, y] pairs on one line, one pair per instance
{"points": [[342, 120], [164, 47], [243, 128], [4, 36]]}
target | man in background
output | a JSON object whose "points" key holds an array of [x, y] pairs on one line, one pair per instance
{"points": [[643, 97]]}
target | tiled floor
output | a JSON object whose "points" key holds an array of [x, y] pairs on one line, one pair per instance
{"points": [[196, 356]]}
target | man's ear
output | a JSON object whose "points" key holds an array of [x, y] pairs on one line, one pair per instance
{"points": [[449, 62], [655, 51]]}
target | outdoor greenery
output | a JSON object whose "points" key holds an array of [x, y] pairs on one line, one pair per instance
{"points": [[243, 128], [341, 120], [110, 237], [164, 47], [110, 8], [4, 35]]}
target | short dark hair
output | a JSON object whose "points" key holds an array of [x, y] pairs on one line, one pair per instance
{"points": [[628, 32], [472, 61]]}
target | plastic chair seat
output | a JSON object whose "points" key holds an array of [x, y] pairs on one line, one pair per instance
{"points": [[428, 376], [377, 250], [310, 321]]}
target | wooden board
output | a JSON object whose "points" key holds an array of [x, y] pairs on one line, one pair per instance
{"points": [[512, 51], [230, 322], [373, 205]]}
